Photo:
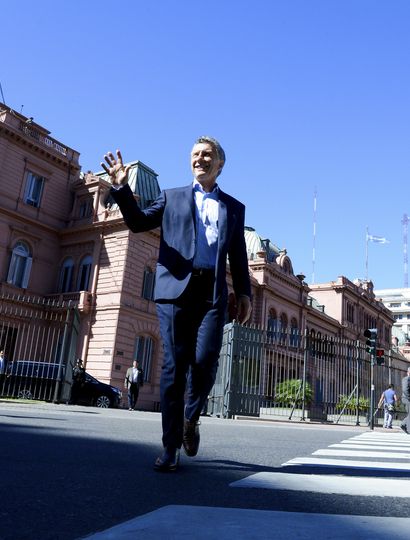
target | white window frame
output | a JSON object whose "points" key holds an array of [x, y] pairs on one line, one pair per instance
{"points": [[20, 265], [34, 189]]}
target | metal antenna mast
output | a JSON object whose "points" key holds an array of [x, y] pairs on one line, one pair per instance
{"points": [[314, 237], [405, 222]]}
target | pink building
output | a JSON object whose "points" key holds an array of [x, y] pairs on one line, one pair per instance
{"points": [[63, 238]]}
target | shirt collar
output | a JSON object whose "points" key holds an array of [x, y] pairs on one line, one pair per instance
{"points": [[197, 187]]}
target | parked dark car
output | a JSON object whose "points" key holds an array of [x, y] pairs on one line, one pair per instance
{"points": [[32, 380], [94, 392], [38, 380]]}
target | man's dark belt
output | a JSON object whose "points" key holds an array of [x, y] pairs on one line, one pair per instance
{"points": [[206, 273]]}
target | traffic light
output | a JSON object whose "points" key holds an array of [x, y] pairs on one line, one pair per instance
{"points": [[380, 357], [371, 342]]}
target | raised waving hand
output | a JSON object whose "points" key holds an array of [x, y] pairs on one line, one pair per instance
{"points": [[116, 170]]}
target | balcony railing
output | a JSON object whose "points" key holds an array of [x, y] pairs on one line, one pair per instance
{"points": [[30, 131], [82, 299]]}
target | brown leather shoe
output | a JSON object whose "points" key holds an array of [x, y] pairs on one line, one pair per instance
{"points": [[169, 460], [191, 437]]}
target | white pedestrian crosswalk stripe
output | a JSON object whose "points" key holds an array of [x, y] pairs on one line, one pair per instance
{"points": [[378, 446], [372, 442], [393, 437], [360, 453], [380, 450], [383, 452], [349, 464], [318, 483]]}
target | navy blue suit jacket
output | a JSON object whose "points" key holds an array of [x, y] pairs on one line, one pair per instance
{"points": [[174, 212]]}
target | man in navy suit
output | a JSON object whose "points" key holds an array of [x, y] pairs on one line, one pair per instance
{"points": [[201, 226]]}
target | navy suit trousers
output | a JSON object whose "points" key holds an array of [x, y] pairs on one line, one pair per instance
{"points": [[192, 330]]}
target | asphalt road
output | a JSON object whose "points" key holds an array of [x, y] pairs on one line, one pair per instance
{"points": [[72, 471]]}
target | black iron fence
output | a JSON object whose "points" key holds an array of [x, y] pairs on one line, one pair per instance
{"points": [[37, 343], [285, 375]]}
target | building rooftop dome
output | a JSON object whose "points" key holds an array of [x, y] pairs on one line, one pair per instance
{"points": [[255, 244]]}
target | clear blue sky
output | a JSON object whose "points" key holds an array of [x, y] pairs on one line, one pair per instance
{"points": [[302, 94]]}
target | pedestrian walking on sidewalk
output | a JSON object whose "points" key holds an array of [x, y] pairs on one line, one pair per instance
{"points": [[134, 379], [388, 400]]}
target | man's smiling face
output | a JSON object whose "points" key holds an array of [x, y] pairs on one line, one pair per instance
{"points": [[205, 164]]}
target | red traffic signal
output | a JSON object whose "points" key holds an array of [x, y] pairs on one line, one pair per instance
{"points": [[380, 357]]}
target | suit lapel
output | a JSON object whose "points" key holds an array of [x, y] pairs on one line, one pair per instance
{"points": [[222, 221], [188, 198], [189, 207]]}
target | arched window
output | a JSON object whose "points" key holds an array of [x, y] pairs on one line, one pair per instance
{"points": [[20, 265], [283, 327], [148, 284], [143, 353], [65, 283], [84, 272], [272, 325], [294, 339]]}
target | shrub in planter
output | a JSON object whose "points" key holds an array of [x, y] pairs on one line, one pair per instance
{"points": [[289, 392], [364, 403]]}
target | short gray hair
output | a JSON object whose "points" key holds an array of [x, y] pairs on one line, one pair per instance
{"points": [[215, 144]]}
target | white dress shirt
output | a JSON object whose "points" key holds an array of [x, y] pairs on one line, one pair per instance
{"points": [[135, 374], [206, 211]]}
